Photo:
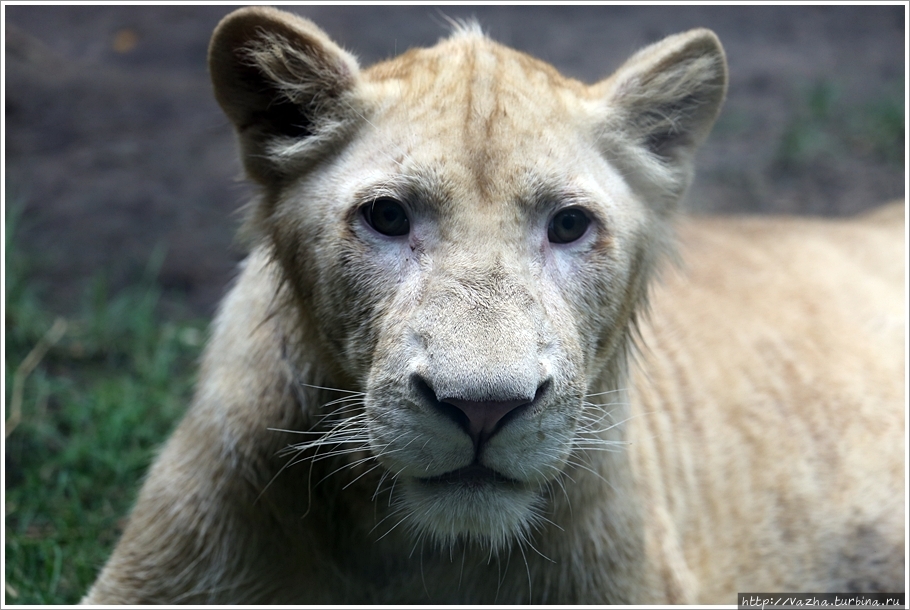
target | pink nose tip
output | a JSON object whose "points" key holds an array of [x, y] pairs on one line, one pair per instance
{"points": [[484, 416]]}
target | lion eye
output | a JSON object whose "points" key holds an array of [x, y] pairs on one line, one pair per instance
{"points": [[567, 226], [387, 216]]}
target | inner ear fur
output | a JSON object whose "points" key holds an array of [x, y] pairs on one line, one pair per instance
{"points": [[661, 105], [284, 85]]}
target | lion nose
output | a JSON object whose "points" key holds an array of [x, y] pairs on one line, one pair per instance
{"points": [[482, 418]]}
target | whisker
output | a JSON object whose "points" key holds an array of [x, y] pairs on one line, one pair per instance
{"points": [[389, 531], [320, 387], [616, 391], [527, 567], [362, 474]]}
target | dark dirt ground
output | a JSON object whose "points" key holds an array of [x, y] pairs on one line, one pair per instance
{"points": [[114, 144]]}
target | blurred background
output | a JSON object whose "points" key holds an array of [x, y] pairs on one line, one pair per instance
{"points": [[122, 186], [114, 145]]}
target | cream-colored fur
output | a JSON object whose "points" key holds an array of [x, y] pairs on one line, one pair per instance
{"points": [[441, 376]]}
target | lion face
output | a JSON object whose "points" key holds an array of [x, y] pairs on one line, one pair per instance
{"points": [[469, 234], [480, 294]]}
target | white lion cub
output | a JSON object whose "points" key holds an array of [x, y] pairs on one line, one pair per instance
{"points": [[446, 375]]}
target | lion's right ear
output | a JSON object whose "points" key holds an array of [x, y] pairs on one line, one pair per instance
{"points": [[285, 86]]}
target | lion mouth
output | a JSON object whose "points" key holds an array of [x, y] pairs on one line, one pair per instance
{"points": [[472, 475]]}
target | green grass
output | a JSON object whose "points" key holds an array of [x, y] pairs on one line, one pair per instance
{"points": [[823, 125], [94, 408]]}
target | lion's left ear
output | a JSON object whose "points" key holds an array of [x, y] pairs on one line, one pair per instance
{"points": [[285, 86], [660, 106]]}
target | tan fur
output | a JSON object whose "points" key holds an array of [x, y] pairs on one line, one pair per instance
{"points": [[744, 435]]}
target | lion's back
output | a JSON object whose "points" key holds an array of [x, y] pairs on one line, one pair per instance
{"points": [[774, 364]]}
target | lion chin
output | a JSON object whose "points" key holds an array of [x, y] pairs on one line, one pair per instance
{"points": [[473, 505]]}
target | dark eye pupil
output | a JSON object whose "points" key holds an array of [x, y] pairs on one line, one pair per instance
{"points": [[568, 226], [388, 217]]}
